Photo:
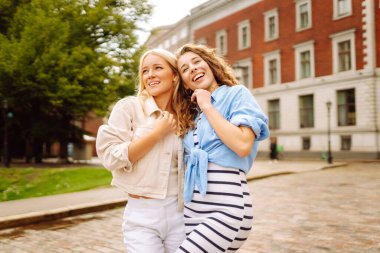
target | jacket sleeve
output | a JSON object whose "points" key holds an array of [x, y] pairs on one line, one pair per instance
{"points": [[113, 139]]}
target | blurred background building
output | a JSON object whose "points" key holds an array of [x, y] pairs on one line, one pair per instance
{"points": [[313, 66]]}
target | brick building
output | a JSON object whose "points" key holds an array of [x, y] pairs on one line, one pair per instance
{"points": [[307, 62]]}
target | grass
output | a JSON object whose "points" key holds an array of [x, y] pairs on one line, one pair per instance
{"points": [[20, 183]]}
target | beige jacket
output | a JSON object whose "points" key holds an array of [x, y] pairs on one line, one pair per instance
{"points": [[130, 119]]}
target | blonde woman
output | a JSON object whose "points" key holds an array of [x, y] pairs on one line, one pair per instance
{"points": [[140, 147], [221, 124]]}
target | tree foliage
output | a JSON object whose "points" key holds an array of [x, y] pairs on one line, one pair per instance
{"points": [[60, 59]]}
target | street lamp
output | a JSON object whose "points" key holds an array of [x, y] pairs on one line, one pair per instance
{"points": [[5, 138], [329, 156]]}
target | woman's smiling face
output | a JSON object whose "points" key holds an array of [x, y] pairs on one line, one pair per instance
{"points": [[195, 72], [157, 76]]}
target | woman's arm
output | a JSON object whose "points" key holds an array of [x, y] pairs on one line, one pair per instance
{"points": [[140, 147], [240, 139], [114, 144]]}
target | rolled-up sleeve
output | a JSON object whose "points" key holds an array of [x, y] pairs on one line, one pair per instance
{"points": [[113, 139], [247, 112]]}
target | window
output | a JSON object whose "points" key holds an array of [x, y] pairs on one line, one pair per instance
{"points": [[243, 72], [271, 25], [342, 8], [345, 142], [305, 64], [303, 14], [221, 42], [167, 43], [273, 71], [183, 33], [346, 108], [344, 51], [306, 105], [244, 33], [174, 39], [344, 57], [304, 60], [202, 41], [306, 143], [272, 68], [274, 114]]}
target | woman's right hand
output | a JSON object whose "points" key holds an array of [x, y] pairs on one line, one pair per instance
{"points": [[165, 124]]}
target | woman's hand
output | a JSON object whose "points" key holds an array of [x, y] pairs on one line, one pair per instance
{"points": [[165, 124], [202, 97], [139, 147]]}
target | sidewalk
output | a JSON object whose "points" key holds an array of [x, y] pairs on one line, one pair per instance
{"points": [[27, 211]]}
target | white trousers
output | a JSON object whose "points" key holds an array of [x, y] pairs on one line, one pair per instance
{"points": [[153, 225]]}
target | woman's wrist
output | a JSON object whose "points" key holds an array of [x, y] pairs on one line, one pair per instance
{"points": [[206, 108]]}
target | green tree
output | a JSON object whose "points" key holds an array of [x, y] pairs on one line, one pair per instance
{"points": [[60, 59]]}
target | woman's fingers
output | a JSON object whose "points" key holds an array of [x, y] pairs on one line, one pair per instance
{"points": [[170, 120]]}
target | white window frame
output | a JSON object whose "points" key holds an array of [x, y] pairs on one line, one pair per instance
{"points": [[274, 55], [338, 15], [202, 41], [300, 48], [348, 35], [174, 39], [241, 26], [299, 3], [167, 43], [219, 34], [183, 33], [244, 63], [267, 16]]}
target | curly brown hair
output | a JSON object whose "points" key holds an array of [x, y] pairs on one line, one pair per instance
{"points": [[222, 71]]}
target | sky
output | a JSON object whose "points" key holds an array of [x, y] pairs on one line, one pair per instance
{"points": [[167, 12]]}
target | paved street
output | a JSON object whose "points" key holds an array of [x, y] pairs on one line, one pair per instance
{"points": [[334, 210]]}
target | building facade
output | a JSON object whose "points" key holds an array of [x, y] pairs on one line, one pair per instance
{"points": [[170, 37], [313, 66]]}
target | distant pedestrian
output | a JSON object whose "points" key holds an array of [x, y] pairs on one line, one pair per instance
{"points": [[273, 155], [140, 147], [222, 125]]}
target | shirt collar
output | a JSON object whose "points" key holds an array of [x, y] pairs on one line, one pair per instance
{"points": [[217, 93], [150, 106]]}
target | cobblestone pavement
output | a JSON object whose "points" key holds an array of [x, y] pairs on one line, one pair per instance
{"points": [[335, 210]]}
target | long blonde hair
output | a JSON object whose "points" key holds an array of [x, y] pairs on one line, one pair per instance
{"points": [[223, 73], [168, 57]]}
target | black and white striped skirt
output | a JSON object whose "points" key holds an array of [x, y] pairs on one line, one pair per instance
{"points": [[220, 221]]}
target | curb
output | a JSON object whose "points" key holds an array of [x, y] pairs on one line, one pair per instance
{"points": [[59, 213], [333, 166], [287, 172], [42, 216], [250, 178]]}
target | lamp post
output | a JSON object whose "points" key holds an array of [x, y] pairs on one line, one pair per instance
{"points": [[5, 137], [329, 156]]}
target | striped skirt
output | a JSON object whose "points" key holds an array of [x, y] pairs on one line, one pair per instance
{"points": [[221, 221]]}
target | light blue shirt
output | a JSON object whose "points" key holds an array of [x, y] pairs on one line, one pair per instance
{"points": [[238, 106]]}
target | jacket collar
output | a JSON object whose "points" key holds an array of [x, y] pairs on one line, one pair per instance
{"points": [[150, 106]]}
